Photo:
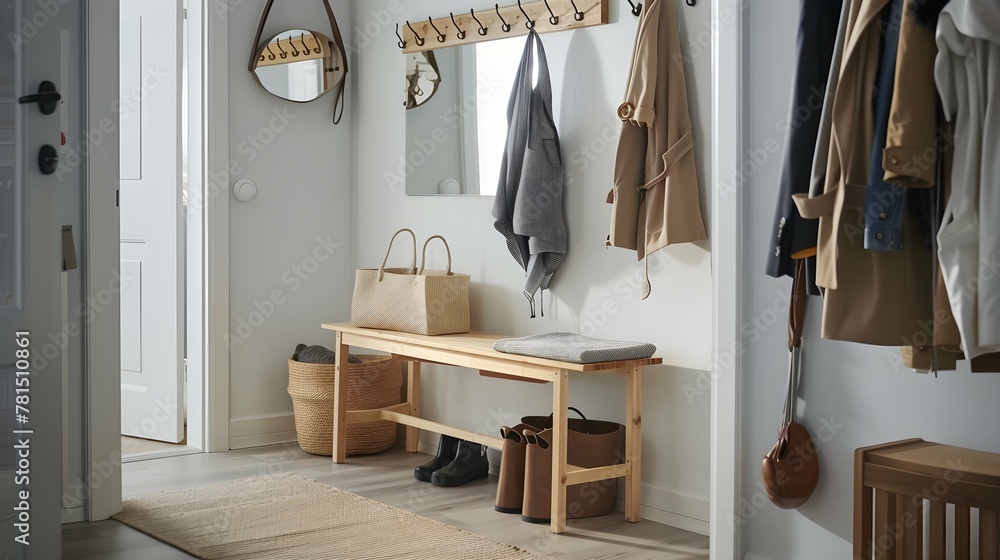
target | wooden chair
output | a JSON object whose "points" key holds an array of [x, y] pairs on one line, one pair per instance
{"points": [[892, 482]]}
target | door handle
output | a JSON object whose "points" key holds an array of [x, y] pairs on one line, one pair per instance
{"points": [[47, 98]]}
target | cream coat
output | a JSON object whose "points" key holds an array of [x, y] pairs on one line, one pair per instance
{"points": [[655, 196], [967, 72]]}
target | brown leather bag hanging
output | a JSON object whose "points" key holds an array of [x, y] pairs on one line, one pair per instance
{"points": [[791, 469], [335, 59]]}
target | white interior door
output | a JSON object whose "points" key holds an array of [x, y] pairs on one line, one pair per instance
{"points": [[40, 277], [152, 215]]}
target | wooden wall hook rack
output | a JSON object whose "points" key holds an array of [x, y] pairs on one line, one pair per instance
{"points": [[595, 12]]}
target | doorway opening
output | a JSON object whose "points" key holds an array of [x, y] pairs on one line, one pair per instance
{"points": [[160, 405]]}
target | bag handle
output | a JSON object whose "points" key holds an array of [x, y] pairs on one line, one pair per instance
{"points": [[586, 422], [423, 254], [797, 306], [796, 322], [413, 264]]}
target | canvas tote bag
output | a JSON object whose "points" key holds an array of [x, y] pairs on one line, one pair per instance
{"points": [[412, 300]]}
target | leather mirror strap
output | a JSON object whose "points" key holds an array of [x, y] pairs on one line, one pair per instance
{"points": [[256, 39], [338, 101]]}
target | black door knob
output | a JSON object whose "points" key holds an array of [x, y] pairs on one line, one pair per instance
{"points": [[47, 98], [48, 160]]}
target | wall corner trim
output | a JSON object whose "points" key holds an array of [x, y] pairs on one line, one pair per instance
{"points": [[728, 540]]}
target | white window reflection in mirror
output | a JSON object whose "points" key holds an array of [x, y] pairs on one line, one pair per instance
{"points": [[456, 117]]}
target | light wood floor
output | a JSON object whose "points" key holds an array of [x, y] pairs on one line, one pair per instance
{"points": [[387, 478]]}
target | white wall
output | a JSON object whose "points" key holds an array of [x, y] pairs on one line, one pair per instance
{"points": [[852, 394], [596, 291], [290, 254]]}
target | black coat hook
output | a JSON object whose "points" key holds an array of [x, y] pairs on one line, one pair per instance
{"points": [[401, 42], [441, 37], [270, 53], [305, 47], [461, 34], [295, 50], [505, 26], [482, 30], [577, 14], [528, 23], [636, 8], [283, 54], [553, 18], [419, 39]]}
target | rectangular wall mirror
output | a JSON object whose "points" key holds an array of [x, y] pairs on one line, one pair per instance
{"points": [[456, 117]]}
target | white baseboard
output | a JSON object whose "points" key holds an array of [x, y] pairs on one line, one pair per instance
{"points": [[752, 556], [659, 504], [265, 429], [671, 507]]}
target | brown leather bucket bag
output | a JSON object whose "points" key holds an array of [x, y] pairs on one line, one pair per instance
{"points": [[791, 469]]}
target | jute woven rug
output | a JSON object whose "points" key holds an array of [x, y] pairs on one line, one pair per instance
{"points": [[287, 517]]}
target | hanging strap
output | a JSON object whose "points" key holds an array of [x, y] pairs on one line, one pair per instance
{"points": [[797, 306], [796, 323], [338, 39]]}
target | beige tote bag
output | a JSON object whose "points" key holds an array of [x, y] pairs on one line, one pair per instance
{"points": [[416, 301]]}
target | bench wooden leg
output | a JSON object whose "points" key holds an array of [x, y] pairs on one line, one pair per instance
{"points": [[560, 427], [340, 401], [633, 444], [989, 534], [413, 398], [862, 510]]}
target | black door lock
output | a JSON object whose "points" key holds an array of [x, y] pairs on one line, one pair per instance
{"points": [[48, 160], [47, 98]]}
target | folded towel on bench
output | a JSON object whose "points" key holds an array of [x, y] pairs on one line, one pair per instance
{"points": [[574, 348]]}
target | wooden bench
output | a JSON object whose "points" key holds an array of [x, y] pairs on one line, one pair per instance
{"points": [[475, 351], [892, 481]]}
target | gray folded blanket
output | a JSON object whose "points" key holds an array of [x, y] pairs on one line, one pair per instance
{"points": [[574, 348], [319, 355]]}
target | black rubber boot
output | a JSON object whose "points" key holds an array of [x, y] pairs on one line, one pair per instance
{"points": [[470, 463], [447, 449]]}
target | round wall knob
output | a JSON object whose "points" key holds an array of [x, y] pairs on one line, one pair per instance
{"points": [[244, 190]]}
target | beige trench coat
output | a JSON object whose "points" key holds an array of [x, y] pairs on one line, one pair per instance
{"points": [[910, 160], [873, 297], [655, 195]]}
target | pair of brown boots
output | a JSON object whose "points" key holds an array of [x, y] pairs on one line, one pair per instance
{"points": [[525, 484]]}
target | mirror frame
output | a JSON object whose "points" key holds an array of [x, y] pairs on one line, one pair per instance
{"points": [[328, 64]]}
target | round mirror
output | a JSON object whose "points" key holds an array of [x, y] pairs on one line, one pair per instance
{"points": [[422, 78], [299, 65]]}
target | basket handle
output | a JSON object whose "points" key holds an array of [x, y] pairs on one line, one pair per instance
{"points": [[586, 423], [413, 263], [423, 254]]}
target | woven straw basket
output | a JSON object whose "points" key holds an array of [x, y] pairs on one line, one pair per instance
{"points": [[373, 383]]}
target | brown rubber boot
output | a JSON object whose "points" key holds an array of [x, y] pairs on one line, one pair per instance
{"points": [[538, 477], [510, 490]]}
